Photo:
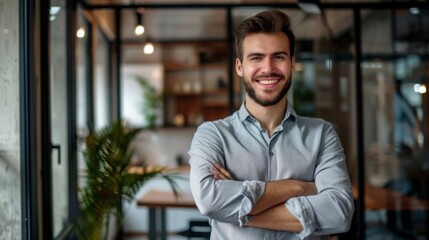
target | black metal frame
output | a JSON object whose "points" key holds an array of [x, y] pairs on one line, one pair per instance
{"points": [[47, 217], [28, 121], [337, 5], [45, 99], [360, 210], [71, 118]]}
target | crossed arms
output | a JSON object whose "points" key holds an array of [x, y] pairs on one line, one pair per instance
{"points": [[269, 211], [285, 204]]}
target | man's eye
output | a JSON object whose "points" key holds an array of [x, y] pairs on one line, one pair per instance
{"points": [[280, 57], [255, 58]]}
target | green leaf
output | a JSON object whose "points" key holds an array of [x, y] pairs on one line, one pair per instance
{"points": [[107, 180]]}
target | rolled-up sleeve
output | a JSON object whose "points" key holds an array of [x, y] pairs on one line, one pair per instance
{"points": [[224, 200], [331, 210]]}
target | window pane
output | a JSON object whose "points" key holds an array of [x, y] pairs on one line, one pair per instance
{"points": [[59, 134], [102, 81]]}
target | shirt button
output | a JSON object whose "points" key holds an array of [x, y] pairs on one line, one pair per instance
{"points": [[271, 153]]}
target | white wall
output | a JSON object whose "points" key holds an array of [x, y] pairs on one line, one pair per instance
{"points": [[10, 183], [132, 93]]}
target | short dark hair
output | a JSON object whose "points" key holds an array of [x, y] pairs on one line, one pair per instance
{"points": [[269, 21]]}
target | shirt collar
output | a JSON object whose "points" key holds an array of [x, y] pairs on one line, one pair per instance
{"points": [[243, 114]]}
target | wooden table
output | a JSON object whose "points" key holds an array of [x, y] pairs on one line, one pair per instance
{"points": [[157, 201], [377, 198], [398, 207]]}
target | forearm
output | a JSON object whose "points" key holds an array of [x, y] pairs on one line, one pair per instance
{"points": [[277, 192], [226, 200], [276, 218]]}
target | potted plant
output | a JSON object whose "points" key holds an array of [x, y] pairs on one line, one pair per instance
{"points": [[108, 182], [150, 105]]}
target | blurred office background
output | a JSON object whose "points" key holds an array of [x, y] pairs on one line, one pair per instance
{"points": [[69, 68]]}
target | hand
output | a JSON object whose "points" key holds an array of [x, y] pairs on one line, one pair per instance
{"points": [[220, 173], [309, 188]]}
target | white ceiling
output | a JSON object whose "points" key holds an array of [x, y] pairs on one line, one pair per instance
{"points": [[165, 24]]}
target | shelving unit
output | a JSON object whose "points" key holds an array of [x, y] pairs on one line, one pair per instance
{"points": [[195, 82]]}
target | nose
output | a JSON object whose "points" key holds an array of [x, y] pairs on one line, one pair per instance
{"points": [[268, 65]]}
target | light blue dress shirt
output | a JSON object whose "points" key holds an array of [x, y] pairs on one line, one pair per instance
{"points": [[300, 148]]}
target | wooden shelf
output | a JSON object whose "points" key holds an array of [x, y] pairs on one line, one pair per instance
{"points": [[185, 67], [180, 66], [192, 76], [216, 104]]}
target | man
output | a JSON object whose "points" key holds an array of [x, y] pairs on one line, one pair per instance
{"points": [[265, 172]]}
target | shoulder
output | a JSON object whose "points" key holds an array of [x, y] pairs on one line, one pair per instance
{"points": [[312, 122], [303, 122], [316, 128], [213, 133], [220, 125]]}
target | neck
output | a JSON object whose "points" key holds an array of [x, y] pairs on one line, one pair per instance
{"points": [[268, 116]]}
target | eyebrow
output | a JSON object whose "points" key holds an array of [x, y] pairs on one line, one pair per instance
{"points": [[261, 54]]}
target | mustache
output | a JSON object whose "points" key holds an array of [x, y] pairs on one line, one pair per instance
{"points": [[269, 75]]}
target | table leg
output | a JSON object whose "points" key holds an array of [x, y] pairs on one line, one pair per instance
{"points": [[163, 224], [152, 223]]}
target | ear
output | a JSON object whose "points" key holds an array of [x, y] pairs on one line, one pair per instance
{"points": [[238, 67]]}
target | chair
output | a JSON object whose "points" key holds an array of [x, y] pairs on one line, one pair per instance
{"points": [[197, 229]]}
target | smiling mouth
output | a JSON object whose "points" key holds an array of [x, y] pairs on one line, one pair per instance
{"points": [[268, 82], [268, 79]]}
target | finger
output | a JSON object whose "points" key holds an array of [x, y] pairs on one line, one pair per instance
{"points": [[223, 171], [217, 174]]}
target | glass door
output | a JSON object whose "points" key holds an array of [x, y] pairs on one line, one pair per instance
{"points": [[395, 124], [59, 116]]}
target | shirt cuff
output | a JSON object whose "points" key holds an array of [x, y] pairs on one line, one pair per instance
{"points": [[302, 210], [252, 191]]}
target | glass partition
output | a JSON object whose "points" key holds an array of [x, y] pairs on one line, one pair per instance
{"points": [[102, 89], [394, 101], [82, 122], [59, 106], [395, 118]]}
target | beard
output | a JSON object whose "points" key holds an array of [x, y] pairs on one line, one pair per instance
{"points": [[271, 101]]}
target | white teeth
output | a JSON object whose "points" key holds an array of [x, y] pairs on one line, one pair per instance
{"points": [[267, 81]]}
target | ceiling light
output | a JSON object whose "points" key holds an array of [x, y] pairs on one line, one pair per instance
{"points": [[148, 48], [420, 88], [414, 10], [80, 32], [139, 29]]}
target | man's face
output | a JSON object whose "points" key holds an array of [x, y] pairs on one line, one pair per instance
{"points": [[266, 67]]}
